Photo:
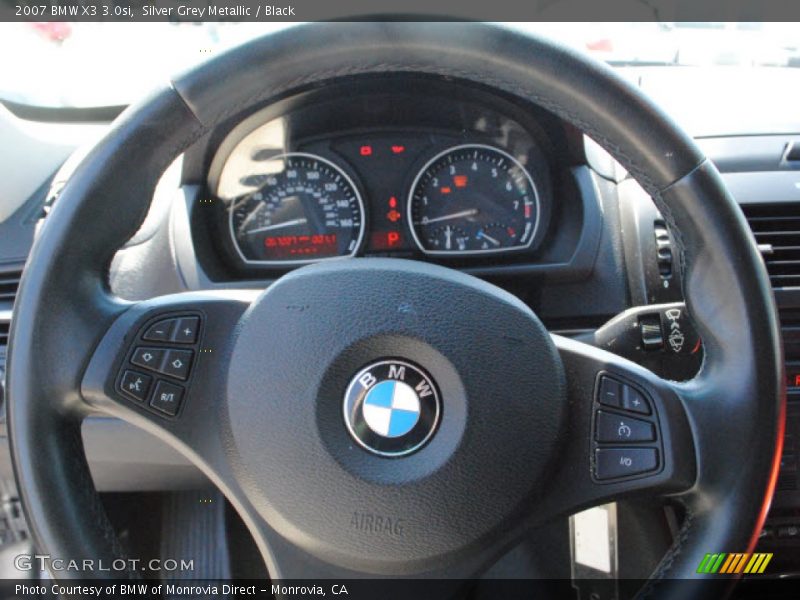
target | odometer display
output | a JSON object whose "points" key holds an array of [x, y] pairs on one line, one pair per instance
{"points": [[302, 208], [473, 199]]}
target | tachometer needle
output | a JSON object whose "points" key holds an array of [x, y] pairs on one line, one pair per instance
{"points": [[482, 234], [278, 225], [463, 213]]}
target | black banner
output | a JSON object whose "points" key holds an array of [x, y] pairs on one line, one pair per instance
{"points": [[378, 10], [387, 589]]}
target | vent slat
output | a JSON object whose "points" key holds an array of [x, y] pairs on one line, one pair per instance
{"points": [[9, 283], [5, 326], [776, 227], [786, 267], [760, 234]]}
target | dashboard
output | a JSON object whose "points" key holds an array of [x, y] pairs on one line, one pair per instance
{"points": [[420, 168], [596, 243], [463, 177]]}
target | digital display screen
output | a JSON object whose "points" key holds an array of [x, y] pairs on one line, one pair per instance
{"points": [[301, 245]]}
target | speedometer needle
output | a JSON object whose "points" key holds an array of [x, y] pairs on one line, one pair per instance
{"points": [[278, 225], [463, 213]]}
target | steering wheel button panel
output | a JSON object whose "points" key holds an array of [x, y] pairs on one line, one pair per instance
{"points": [[612, 423], [613, 463], [167, 398], [611, 427], [172, 344]]}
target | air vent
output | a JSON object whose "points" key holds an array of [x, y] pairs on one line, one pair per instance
{"points": [[9, 282], [5, 326], [777, 231]]}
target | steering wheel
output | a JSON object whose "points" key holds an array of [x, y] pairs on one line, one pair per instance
{"points": [[270, 412]]}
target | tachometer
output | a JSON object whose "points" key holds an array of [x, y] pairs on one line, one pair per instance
{"points": [[302, 208], [473, 199]]}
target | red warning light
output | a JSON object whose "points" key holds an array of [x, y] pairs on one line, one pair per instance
{"points": [[392, 202], [460, 180], [397, 149], [445, 189], [393, 216], [365, 150], [393, 238], [797, 381]]}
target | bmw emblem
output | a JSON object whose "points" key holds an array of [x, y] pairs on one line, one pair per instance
{"points": [[391, 408]]}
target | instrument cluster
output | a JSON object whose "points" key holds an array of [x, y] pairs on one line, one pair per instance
{"points": [[382, 173]]}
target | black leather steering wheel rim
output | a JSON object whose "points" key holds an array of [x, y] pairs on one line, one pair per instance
{"points": [[64, 306]]}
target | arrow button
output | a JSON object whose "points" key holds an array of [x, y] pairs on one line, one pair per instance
{"points": [[149, 358], [178, 363]]}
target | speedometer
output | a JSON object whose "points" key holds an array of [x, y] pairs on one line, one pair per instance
{"points": [[298, 208], [473, 199]]}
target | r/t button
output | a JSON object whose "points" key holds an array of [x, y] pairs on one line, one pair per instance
{"points": [[167, 398]]}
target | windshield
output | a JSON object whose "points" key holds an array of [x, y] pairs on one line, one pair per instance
{"points": [[107, 64]]}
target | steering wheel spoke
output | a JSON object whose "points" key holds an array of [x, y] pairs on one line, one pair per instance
{"points": [[627, 432]]}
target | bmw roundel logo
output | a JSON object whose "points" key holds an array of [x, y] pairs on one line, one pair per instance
{"points": [[391, 408]]}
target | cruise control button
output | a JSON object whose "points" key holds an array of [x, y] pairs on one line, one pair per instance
{"points": [[618, 428], [149, 358], [178, 363], [611, 463], [186, 331], [167, 398], [161, 331], [610, 392], [634, 401], [136, 385]]}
